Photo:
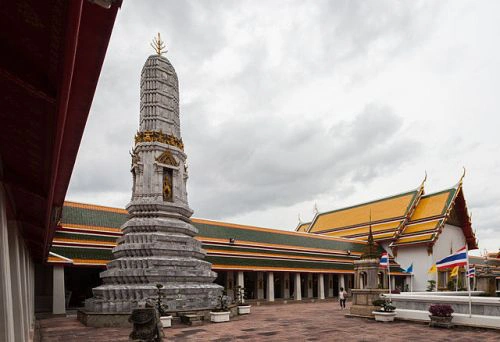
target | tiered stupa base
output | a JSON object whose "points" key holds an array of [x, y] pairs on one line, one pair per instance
{"points": [[158, 247]]}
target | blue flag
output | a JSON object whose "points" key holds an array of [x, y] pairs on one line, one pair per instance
{"points": [[409, 269]]}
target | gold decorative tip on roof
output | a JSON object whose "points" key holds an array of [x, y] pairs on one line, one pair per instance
{"points": [[158, 45], [463, 175]]}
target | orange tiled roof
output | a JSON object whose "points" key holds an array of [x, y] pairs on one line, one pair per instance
{"points": [[387, 217], [302, 227]]}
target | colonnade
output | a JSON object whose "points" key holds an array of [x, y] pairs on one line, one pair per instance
{"points": [[292, 285], [17, 285]]}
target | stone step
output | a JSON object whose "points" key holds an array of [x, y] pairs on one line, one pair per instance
{"points": [[155, 249]]}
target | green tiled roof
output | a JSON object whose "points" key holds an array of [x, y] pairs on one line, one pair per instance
{"points": [[236, 261], [82, 253], [90, 217], [273, 248], [67, 235], [268, 236]]}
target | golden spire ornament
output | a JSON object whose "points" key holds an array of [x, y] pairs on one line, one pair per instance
{"points": [[158, 45]]}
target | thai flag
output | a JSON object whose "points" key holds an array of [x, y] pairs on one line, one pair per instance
{"points": [[384, 260], [459, 258], [471, 273]]}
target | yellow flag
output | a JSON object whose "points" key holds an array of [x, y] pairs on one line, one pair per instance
{"points": [[432, 269], [454, 271]]}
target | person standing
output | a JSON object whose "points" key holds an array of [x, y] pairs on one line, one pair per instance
{"points": [[342, 298]]}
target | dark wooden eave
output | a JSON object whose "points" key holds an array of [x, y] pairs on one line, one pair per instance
{"points": [[52, 54]]}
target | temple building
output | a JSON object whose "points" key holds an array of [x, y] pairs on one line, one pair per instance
{"points": [[271, 264], [414, 227]]}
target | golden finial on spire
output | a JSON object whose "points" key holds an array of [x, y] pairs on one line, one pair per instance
{"points": [[158, 45]]}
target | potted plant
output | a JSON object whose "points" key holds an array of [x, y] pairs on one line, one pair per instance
{"points": [[221, 313], [385, 312], [431, 285], [441, 315], [165, 318], [243, 309]]}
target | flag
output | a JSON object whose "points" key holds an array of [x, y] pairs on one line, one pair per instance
{"points": [[409, 269], [459, 258], [384, 260], [454, 272], [471, 273], [433, 269]]}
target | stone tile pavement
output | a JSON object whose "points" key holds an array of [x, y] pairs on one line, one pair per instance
{"points": [[322, 321]]}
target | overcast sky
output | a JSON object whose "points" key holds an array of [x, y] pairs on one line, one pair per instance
{"points": [[289, 103]]}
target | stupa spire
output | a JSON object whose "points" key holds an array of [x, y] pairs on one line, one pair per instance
{"points": [[158, 245]]}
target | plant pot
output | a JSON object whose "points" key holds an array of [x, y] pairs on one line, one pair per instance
{"points": [[244, 309], [218, 317], [443, 322], [383, 316], [166, 321]]}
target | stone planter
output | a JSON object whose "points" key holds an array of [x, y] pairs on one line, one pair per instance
{"points": [[443, 322], [244, 309], [383, 316], [218, 317], [166, 321]]}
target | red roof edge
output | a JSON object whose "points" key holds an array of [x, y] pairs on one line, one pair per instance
{"points": [[89, 32]]}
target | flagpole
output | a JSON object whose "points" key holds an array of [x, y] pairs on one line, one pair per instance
{"points": [[437, 278], [468, 282], [389, 273]]}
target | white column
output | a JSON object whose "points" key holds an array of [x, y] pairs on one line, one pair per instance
{"points": [[58, 291], [341, 282], [330, 285], [32, 295], [24, 280], [321, 286], [16, 274], [298, 288], [393, 282], [260, 285], [270, 287], [240, 281], [285, 285], [6, 314]]}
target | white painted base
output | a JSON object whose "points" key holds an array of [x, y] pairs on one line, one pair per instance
{"points": [[166, 321], [458, 319], [218, 317], [244, 309], [384, 316]]}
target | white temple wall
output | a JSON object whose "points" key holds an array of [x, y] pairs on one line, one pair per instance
{"points": [[450, 239]]}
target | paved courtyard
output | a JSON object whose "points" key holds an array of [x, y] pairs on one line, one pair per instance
{"points": [[291, 322]]}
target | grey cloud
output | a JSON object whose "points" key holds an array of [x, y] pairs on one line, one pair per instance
{"points": [[246, 153], [242, 168]]}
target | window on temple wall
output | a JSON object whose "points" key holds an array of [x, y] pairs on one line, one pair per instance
{"points": [[442, 279], [380, 280], [167, 185]]}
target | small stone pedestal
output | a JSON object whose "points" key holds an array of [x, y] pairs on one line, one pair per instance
{"points": [[362, 301], [366, 289]]}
